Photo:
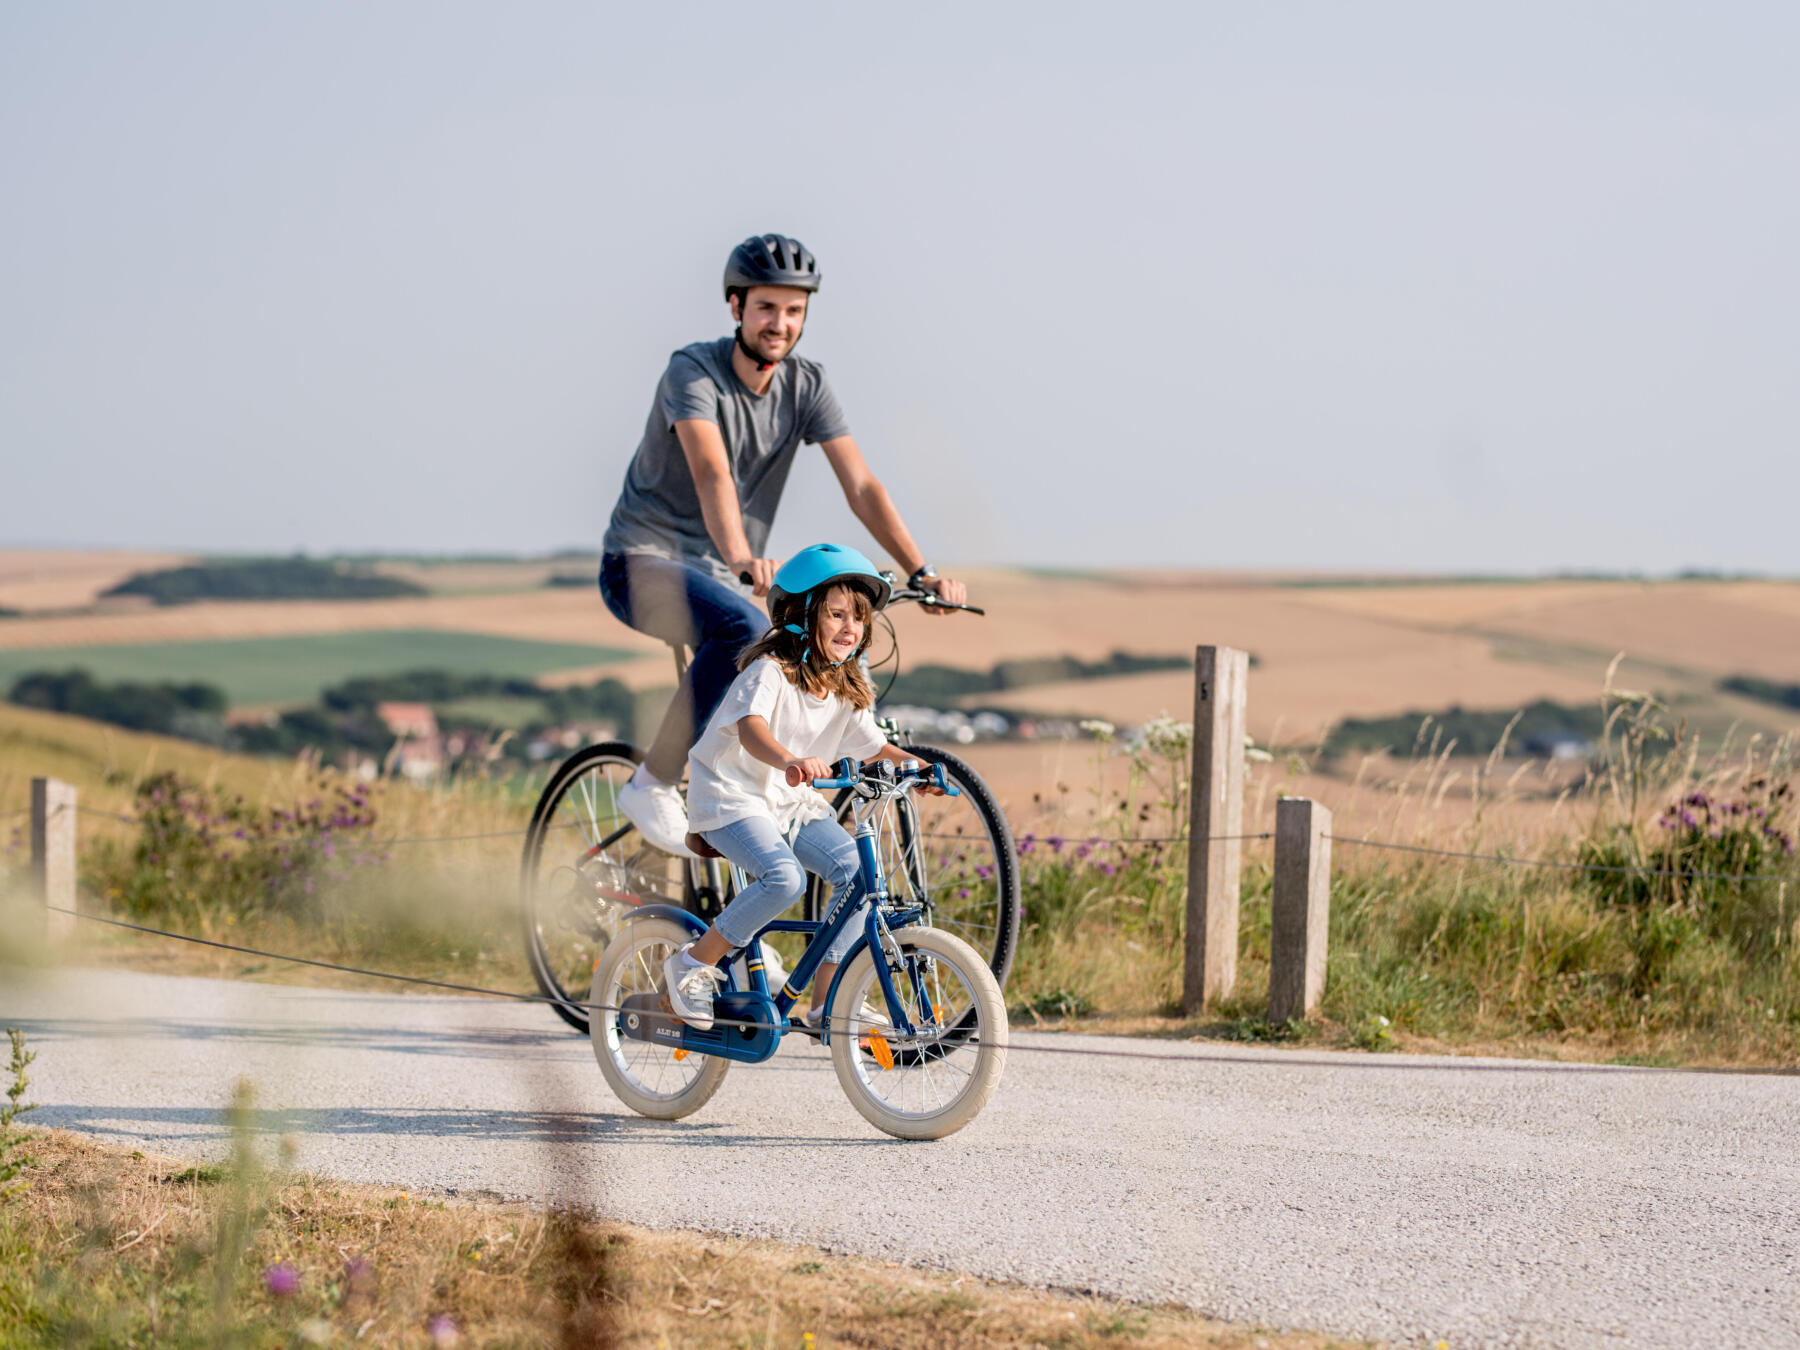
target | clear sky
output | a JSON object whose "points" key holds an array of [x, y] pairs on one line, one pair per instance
{"points": [[1418, 286]]}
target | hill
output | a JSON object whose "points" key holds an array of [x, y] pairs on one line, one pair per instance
{"points": [[296, 578]]}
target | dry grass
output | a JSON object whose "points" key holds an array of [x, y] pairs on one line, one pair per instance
{"points": [[112, 1240]]}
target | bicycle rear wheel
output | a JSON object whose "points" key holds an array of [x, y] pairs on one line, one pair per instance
{"points": [[584, 866], [952, 855]]}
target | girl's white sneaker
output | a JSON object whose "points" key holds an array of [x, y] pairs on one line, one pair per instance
{"points": [[690, 987]]}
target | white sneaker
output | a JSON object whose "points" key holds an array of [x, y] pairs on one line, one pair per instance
{"points": [[656, 808], [690, 987]]}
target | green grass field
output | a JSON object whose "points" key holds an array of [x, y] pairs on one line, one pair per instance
{"points": [[294, 669]]}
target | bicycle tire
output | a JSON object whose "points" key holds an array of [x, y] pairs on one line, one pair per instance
{"points": [[553, 964], [651, 1079], [952, 1077], [561, 966], [991, 925]]}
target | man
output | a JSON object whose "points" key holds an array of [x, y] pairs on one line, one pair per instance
{"points": [[700, 495]]}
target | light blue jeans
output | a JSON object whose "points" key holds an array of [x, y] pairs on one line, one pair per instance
{"points": [[754, 844]]}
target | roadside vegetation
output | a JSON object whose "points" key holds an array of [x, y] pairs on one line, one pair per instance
{"points": [[1430, 952], [1426, 952]]}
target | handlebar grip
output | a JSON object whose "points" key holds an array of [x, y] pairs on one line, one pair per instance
{"points": [[848, 772], [746, 578]]}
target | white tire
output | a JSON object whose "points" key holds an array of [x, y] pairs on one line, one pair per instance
{"points": [[938, 1082], [648, 1078]]}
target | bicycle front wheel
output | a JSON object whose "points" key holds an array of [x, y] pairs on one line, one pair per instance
{"points": [[936, 1081], [954, 857]]}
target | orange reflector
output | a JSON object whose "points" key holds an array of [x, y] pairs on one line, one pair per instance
{"points": [[876, 1044], [681, 1055]]}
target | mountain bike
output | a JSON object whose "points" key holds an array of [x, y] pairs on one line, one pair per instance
{"points": [[585, 867], [914, 1019]]}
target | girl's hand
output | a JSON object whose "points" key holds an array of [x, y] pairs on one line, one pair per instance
{"points": [[801, 771]]}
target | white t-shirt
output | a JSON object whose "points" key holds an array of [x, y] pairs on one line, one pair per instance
{"points": [[727, 783]]}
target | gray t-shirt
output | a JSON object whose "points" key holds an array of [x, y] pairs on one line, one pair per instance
{"points": [[659, 510]]}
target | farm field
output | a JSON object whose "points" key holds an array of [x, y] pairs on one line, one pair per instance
{"points": [[1325, 651], [276, 670]]}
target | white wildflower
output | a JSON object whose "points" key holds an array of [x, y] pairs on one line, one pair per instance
{"points": [[1165, 736]]}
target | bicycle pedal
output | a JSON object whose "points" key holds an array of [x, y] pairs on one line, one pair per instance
{"points": [[680, 1055], [876, 1044]]}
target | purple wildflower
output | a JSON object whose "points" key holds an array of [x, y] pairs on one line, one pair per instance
{"points": [[1056, 842], [442, 1330], [281, 1280]]}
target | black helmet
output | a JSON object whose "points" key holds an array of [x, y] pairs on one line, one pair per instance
{"points": [[770, 260]]}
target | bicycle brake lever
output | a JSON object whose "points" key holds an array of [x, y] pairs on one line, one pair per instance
{"points": [[847, 776]]}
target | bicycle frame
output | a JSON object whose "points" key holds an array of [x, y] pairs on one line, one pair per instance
{"points": [[749, 1023]]}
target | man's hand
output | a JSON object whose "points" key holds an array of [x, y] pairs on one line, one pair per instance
{"points": [[805, 770], [761, 572], [947, 588]]}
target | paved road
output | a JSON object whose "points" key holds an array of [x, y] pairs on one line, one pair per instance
{"points": [[1486, 1202]]}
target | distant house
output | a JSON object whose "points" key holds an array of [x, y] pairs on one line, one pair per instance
{"points": [[418, 751], [408, 719]]}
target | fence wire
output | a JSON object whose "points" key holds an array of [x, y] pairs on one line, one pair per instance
{"points": [[1010, 1047]]}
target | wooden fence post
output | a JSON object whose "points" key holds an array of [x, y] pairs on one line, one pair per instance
{"points": [[53, 853], [1216, 808], [1301, 917]]}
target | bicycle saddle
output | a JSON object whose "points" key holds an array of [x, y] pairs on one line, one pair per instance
{"points": [[700, 848]]}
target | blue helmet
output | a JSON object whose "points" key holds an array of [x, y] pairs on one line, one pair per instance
{"points": [[821, 565]]}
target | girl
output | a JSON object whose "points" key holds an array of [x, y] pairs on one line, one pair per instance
{"points": [[800, 702]]}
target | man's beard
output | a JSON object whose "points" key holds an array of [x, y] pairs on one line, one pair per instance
{"points": [[757, 354]]}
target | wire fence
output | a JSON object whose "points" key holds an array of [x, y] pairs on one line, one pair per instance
{"points": [[1057, 844], [953, 1039], [1072, 845]]}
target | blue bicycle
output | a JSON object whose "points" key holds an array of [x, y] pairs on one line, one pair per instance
{"points": [[914, 1020]]}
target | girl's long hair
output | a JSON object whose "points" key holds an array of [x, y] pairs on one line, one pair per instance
{"points": [[815, 674]]}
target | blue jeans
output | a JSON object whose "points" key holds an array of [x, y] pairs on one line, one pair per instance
{"points": [[754, 844], [681, 604]]}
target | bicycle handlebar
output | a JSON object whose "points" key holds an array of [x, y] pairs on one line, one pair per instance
{"points": [[850, 774], [902, 594]]}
